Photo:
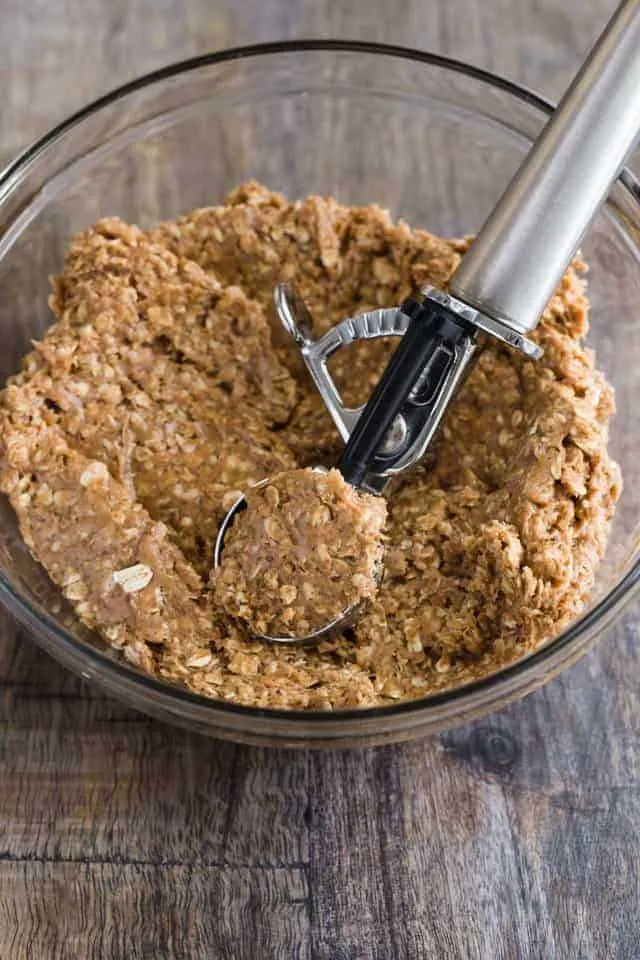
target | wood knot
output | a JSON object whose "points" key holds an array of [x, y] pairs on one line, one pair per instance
{"points": [[488, 748]]}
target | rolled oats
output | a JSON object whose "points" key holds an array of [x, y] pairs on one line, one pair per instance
{"points": [[134, 578], [166, 388]]}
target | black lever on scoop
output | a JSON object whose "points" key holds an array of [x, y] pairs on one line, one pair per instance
{"points": [[409, 400]]}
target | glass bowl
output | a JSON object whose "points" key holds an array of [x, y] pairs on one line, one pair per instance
{"points": [[432, 139]]}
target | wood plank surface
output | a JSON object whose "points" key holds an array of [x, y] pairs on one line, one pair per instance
{"points": [[514, 837]]}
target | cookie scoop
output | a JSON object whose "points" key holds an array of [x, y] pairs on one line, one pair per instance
{"points": [[306, 552], [499, 290]]}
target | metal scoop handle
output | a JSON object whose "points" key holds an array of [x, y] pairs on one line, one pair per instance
{"points": [[524, 247]]}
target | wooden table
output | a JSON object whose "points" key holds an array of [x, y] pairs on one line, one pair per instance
{"points": [[516, 837]]}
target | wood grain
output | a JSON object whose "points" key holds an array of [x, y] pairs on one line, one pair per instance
{"points": [[515, 837], [153, 910]]}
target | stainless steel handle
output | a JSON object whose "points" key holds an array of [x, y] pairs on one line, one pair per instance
{"points": [[522, 250]]}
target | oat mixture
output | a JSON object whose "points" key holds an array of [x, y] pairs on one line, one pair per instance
{"points": [[165, 388], [307, 548]]}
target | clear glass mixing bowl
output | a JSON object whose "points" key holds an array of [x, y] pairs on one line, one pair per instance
{"points": [[435, 141]]}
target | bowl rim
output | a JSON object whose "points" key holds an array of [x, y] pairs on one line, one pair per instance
{"points": [[607, 608]]}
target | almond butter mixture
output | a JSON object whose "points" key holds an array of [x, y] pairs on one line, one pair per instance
{"points": [[307, 548], [165, 387]]}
